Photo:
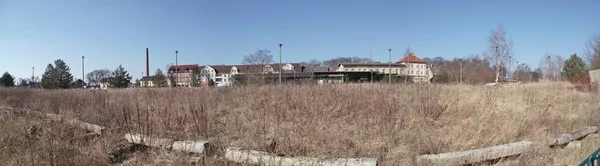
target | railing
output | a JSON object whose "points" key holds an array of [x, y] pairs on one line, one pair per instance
{"points": [[592, 159]]}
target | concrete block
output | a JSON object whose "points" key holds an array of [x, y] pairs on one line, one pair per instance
{"points": [[252, 157], [476, 155], [574, 145], [190, 146], [149, 141]]}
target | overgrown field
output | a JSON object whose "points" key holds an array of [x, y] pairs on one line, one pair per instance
{"points": [[391, 122]]}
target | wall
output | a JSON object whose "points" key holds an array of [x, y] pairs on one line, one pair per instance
{"points": [[594, 75], [382, 69]]}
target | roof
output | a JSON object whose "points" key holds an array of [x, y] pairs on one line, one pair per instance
{"points": [[297, 66], [150, 78], [183, 67], [222, 68], [370, 64], [251, 68], [316, 69], [411, 58]]}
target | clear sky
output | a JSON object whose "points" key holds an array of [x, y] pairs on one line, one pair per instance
{"points": [[34, 33]]}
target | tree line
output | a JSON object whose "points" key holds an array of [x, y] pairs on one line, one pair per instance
{"points": [[58, 76]]}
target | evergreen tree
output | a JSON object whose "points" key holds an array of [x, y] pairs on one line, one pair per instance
{"points": [[121, 78], [573, 66], [49, 78], [7, 80], [160, 79], [57, 75], [63, 74]]}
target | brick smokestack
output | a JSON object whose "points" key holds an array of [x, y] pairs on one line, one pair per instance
{"points": [[147, 64]]}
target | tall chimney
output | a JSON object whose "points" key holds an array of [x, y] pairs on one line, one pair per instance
{"points": [[147, 64]]}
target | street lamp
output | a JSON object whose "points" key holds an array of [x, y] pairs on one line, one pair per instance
{"points": [[176, 69], [517, 71], [548, 71], [390, 66], [280, 65], [83, 69], [509, 66], [461, 70]]}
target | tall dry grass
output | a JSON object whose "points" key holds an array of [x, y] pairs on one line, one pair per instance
{"points": [[391, 122]]}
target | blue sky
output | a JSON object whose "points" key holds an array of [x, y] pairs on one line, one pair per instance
{"points": [[34, 33]]}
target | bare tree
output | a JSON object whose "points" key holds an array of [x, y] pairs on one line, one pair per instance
{"points": [[559, 64], [260, 57], [408, 51], [96, 76], [592, 52], [171, 75], [500, 49], [551, 66], [314, 63]]}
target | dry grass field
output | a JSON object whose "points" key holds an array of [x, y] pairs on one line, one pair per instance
{"points": [[394, 123]]}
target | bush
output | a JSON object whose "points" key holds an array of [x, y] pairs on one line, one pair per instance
{"points": [[581, 81]]}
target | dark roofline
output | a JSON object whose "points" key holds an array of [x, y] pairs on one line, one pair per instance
{"points": [[370, 64]]}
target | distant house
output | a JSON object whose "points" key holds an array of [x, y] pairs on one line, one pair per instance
{"points": [[417, 69], [223, 75], [147, 81], [182, 75], [380, 68], [105, 83], [78, 84], [150, 81]]}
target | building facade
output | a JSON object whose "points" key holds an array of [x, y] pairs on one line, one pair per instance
{"points": [[182, 75], [416, 68], [380, 68], [223, 75], [148, 82]]}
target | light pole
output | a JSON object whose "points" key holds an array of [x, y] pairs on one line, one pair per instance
{"points": [[509, 66], [176, 69], [390, 66], [280, 45], [83, 70], [461, 70], [548, 71], [517, 71]]}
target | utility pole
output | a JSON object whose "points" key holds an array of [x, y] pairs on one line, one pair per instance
{"points": [[371, 61], [176, 69], [370, 55], [32, 73], [390, 66], [83, 69], [509, 66], [407, 66], [548, 71], [517, 71], [461, 70], [280, 66]]}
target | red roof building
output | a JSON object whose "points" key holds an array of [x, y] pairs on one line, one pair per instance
{"points": [[411, 59], [184, 68], [182, 74]]}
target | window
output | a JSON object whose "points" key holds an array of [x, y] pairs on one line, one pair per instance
{"points": [[396, 70], [384, 70]]}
